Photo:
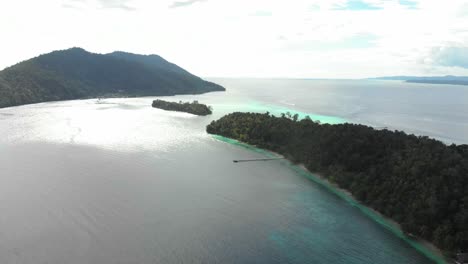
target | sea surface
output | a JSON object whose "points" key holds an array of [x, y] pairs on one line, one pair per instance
{"points": [[116, 181]]}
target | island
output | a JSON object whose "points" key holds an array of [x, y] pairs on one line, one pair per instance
{"points": [[448, 79], [194, 107], [418, 182], [78, 74]]}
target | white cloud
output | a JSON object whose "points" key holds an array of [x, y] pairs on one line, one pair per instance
{"points": [[271, 38], [450, 56], [176, 4], [119, 4]]}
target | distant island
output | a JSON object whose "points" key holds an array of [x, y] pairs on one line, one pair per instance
{"points": [[419, 182], [449, 79], [76, 74], [194, 108]]}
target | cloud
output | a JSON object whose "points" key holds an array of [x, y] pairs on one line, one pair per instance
{"points": [[65, 5], [357, 5], [357, 41], [177, 4], [262, 13], [456, 56], [112, 4], [311, 37], [73, 4], [409, 4], [119, 4], [463, 10]]}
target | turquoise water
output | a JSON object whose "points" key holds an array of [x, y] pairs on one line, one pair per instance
{"points": [[277, 110], [439, 111]]}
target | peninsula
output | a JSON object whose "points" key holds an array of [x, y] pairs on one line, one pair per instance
{"points": [[419, 182]]}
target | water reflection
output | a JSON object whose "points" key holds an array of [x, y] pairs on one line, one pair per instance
{"points": [[118, 181]]}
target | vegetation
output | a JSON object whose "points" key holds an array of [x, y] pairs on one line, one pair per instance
{"points": [[76, 73], [419, 182], [192, 108]]}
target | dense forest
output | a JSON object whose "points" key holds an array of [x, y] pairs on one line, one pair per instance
{"points": [[76, 73], [192, 108], [419, 182]]}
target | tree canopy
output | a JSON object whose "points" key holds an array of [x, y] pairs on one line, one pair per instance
{"points": [[193, 108], [417, 181]]}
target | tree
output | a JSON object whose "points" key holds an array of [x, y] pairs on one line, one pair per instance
{"points": [[295, 117]]}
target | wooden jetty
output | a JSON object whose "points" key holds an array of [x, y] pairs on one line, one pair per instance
{"points": [[249, 160]]}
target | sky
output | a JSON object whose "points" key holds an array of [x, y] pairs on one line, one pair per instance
{"points": [[251, 38]]}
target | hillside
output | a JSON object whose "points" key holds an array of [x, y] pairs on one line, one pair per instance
{"points": [[76, 73]]}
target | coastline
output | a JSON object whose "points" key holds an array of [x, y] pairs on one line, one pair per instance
{"points": [[388, 223], [422, 246]]}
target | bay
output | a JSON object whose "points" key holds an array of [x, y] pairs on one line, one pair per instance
{"points": [[116, 181]]}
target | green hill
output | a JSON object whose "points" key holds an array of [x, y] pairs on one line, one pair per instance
{"points": [[76, 73]]}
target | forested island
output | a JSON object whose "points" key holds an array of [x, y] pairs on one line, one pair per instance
{"points": [[76, 74], [419, 182], [192, 108]]}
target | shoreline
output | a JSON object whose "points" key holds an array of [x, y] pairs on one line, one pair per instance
{"points": [[422, 246], [389, 223], [109, 96]]}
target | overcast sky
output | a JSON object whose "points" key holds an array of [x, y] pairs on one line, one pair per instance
{"points": [[251, 38]]}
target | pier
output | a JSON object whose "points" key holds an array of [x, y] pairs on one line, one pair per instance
{"points": [[249, 160]]}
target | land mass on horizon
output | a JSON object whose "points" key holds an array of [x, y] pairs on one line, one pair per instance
{"points": [[448, 79], [76, 74]]}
